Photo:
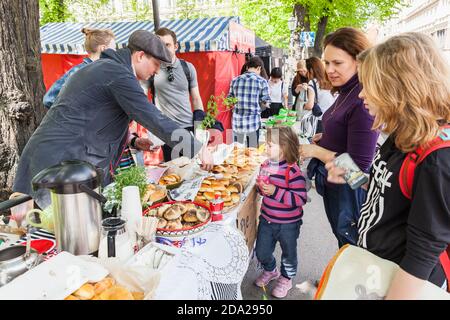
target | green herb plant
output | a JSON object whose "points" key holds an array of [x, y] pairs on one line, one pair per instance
{"points": [[212, 110], [132, 176]]}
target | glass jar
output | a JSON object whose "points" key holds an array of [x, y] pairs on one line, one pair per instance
{"points": [[115, 240]]}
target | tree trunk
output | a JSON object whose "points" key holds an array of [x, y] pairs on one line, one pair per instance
{"points": [[302, 15], [320, 34], [21, 84]]}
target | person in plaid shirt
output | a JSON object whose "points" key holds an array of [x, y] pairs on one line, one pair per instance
{"points": [[252, 93]]}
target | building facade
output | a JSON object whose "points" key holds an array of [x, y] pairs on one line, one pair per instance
{"points": [[431, 17]]}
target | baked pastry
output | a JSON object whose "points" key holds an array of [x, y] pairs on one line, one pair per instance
{"points": [[235, 198], [71, 297], [202, 215], [162, 223], [162, 209], [157, 195], [199, 197], [226, 198], [205, 188], [209, 195], [85, 292], [138, 295], [173, 213], [116, 293], [190, 216], [150, 190], [190, 206], [206, 181], [104, 284], [182, 207], [228, 204], [217, 186], [174, 224], [233, 188]]}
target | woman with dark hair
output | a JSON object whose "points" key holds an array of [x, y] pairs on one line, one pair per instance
{"points": [[318, 89], [278, 93], [346, 128]]}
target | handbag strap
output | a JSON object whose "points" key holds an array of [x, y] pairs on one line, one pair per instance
{"points": [[315, 91]]}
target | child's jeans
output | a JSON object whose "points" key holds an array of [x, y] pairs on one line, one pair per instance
{"points": [[269, 234]]}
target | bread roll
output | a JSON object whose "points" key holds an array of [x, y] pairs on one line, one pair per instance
{"points": [[157, 195], [172, 213], [138, 295], [206, 181], [217, 186], [71, 297], [235, 197], [85, 292], [190, 216], [174, 224], [203, 215], [228, 204], [209, 195], [116, 293], [104, 284], [162, 223], [233, 188]]}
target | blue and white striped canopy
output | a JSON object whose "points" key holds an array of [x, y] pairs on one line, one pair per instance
{"points": [[205, 34]]}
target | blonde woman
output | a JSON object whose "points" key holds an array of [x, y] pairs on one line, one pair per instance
{"points": [[406, 87]]}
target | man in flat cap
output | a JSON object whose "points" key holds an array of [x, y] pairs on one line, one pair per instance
{"points": [[90, 117]]}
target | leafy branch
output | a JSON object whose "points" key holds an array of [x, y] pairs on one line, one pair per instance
{"points": [[212, 109]]}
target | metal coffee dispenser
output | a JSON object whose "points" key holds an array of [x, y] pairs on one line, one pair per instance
{"points": [[71, 191]]}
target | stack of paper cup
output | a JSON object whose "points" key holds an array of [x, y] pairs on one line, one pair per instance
{"points": [[131, 208]]}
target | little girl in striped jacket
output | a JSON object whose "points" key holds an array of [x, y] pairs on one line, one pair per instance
{"points": [[283, 187]]}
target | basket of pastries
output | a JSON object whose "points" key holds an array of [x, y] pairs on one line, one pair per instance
{"points": [[179, 218], [105, 289], [226, 188], [171, 181]]}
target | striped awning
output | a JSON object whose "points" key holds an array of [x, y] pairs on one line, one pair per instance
{"points": [[205, 34]]}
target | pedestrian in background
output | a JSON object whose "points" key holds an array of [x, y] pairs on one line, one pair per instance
{"points": [[319, 89], [252, 93], [347, 128], [299, 88], [97, 40], [278, 94]]}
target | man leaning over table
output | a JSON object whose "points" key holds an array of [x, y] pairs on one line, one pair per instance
{"points": [[90, 119]]}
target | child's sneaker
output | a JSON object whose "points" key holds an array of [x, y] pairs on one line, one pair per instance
{"points": [[282, 287], [266, 277]]}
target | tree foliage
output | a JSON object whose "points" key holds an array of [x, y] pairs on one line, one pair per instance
{"points": [[268, 18], [53, 11]]}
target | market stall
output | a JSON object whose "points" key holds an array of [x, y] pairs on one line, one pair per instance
{"points": [[215, 46], [195, 231]]}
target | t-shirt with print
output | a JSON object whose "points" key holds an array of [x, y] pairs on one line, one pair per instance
{"points": [[173, 98], [410, 233]]}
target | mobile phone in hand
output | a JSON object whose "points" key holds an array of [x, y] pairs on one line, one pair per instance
{"points": [[354, 177]]}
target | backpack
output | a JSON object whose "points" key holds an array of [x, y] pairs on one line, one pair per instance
{"points": [[406, 180], [187, 73]]}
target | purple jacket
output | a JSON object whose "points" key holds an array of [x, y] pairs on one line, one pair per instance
{"points": [[347, 126]]}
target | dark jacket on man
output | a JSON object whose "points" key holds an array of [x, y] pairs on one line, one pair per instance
{"points": [[89, 120]]}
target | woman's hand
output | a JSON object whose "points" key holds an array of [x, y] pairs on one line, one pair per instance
{"points": [[335, 174], [316, 138], [267, 189], [308, 151]]}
